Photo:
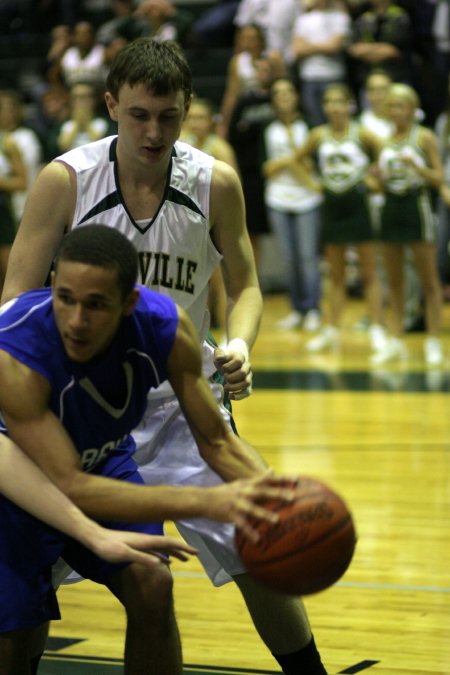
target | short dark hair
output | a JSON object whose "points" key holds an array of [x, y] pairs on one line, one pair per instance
{"points": [[162, 67], [102, 246]]}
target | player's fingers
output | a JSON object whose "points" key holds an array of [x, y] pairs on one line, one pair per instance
{"points": [[247, 530], [147, 559], [181, 555], [241, 394], [158, 543]]}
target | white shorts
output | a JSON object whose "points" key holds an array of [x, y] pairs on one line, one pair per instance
{"points": [[168, 454]]}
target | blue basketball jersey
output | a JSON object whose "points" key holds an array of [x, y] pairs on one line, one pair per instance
{"points": [[99, 402]]}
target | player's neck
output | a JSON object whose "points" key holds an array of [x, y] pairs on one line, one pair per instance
{"points": [[142, 174]]}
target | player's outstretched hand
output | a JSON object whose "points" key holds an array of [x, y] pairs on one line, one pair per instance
{"points": [[121, 546], [241, 501], [234, 364]]}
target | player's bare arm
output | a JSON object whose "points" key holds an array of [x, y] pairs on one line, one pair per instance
{"points": [[24, 483], [224, 452], [48, 211], [24, 396], [230, 236]]}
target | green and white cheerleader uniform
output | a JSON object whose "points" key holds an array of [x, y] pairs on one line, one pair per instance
{"points": [[345, 211], [407, 214]]}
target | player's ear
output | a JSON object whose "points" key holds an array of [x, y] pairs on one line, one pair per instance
{"points": [[130, 301], [111, 104]]}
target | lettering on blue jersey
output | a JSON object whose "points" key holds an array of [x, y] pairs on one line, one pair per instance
{"points": [[181, 279], [91, 457], [90, 388]]}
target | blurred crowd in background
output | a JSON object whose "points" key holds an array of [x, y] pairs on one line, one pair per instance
{"points": [[299, 96]]}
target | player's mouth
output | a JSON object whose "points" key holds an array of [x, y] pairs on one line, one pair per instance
{"points": [[75, 344], [153, 150]]}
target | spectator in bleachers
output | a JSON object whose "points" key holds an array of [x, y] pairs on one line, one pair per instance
{"points": [[344, 152], [374, 112], [84, 60], [442, 130], [242, 71], [318, 40], [13, 177], [441, 55], [374, 117], [53, 111], [253, 110], [84, 124], [60, 41], [410, 165], [293, 198], [124, 25], [382, 37], [215, 25], [26, 139], [165, 21], [96, 12], [199, 130], [275, 19]]}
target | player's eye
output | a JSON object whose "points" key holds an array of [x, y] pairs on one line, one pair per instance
{"points": [[95, 304], [65, 298]]}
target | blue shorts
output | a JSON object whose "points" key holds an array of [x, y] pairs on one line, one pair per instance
{"points": [[29, 548]]}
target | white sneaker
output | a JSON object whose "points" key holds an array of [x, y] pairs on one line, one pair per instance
{"points": [[433, 351], [328, 338], [292, 320], [393, 350], [377, 337], [312, 321]]}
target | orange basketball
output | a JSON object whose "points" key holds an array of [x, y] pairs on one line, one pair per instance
{"points": [[310, 547]]}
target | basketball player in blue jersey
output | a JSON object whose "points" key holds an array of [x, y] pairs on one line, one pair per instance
{"points": [[23, 482], [76, 363], [184, 212]]}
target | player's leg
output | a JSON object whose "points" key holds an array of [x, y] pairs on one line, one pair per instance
{"points": [[152, 644], [15, 651], [28, 548], [288, 636], [39, 639]]}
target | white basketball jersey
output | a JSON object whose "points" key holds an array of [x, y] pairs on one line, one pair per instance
{"points": [[176, 254]]}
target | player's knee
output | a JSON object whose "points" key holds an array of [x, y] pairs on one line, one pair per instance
{"points": [[151, 593]]}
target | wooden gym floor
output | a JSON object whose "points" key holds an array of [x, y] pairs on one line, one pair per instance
{"points": [[381, 438]]}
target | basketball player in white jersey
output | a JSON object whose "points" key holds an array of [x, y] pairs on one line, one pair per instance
{"points": [[184, 212]]}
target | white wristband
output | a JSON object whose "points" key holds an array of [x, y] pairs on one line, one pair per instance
{"points": [[238, 345]]}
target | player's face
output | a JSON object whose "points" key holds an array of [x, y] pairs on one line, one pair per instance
{"points": [[148, 125], [88, 307]]}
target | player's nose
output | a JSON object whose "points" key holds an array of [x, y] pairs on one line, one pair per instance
{"points": [[154, 131], [77, 317]]}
